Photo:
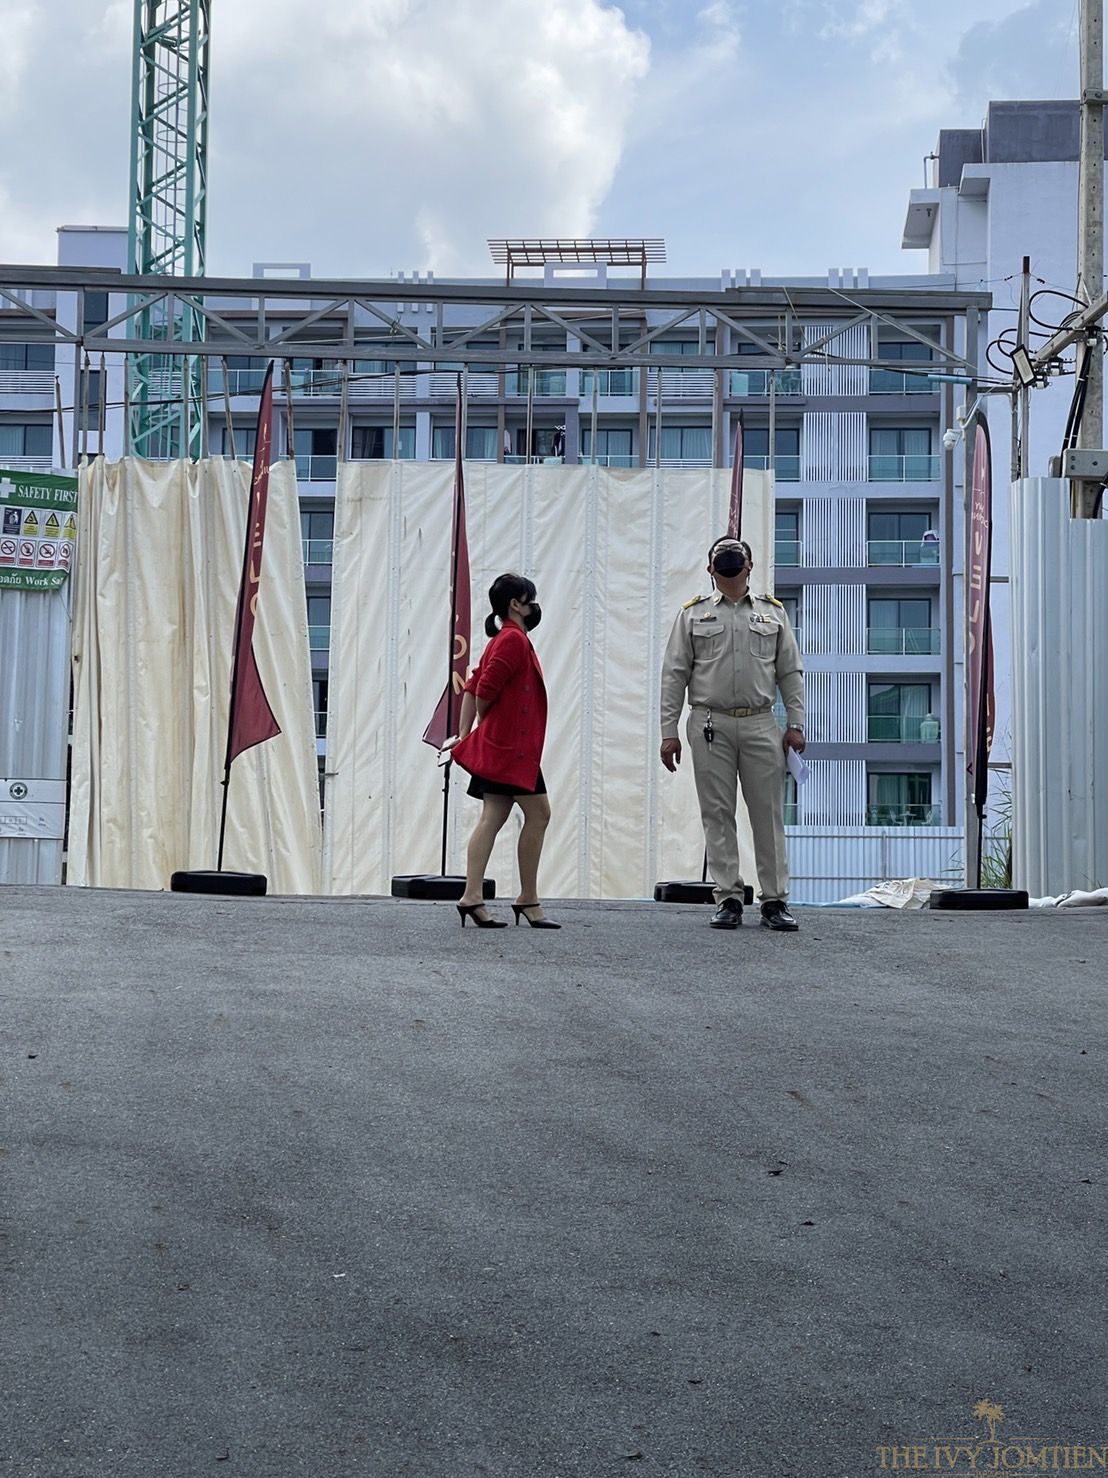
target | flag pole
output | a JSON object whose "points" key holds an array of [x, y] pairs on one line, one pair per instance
{"points": [[454, 553], [261, 449]]}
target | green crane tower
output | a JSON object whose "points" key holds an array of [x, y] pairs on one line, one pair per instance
{"points": [[168, 218]]}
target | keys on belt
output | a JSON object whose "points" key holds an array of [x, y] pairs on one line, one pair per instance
{"points": [[709, 731]]}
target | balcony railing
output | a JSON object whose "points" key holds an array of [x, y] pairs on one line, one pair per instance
{"points": [[319, 638], [904, 815], [321, 723], [26, 382], [609, 382], [787, 552], [785, 468], [792, 813], [317, 469], [611, 459], [902, 553], [898, 728], [682, 384], [547, 382], [318, 551], [902, 641], [756, 382], [25, 464], [914, 467], [898, 382]]}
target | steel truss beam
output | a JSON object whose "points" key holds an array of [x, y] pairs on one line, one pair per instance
{"points": [[282, 319]]}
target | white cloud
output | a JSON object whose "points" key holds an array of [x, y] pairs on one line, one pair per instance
{"points": [[386, 134]]}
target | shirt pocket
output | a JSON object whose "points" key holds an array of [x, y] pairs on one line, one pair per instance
{"points": [[763, 637], [706, 634]]}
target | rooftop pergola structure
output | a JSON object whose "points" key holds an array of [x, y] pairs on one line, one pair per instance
{"points": [[541, 251]]}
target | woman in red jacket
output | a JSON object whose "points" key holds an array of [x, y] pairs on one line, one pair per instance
{"points": [[507, 695]]}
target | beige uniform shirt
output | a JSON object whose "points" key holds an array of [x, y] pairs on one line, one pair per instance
{"points": [[731, 654]]}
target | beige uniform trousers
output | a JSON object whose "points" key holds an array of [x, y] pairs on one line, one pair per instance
{"points": [[744, 751]]}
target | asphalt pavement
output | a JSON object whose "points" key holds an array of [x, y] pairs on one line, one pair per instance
{"points": [[334, 1189]]}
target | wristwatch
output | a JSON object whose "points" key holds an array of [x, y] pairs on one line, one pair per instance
{"points": [[796, 728]]}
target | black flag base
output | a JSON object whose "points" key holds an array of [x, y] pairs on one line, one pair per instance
{"points": [[227, 884], [436, 886], [691, 892], [978, 898]]}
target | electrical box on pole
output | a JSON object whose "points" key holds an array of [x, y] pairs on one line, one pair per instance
{"points": [[168, 218]]}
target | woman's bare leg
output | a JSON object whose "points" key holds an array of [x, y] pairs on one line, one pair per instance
{"points": [[536, 818], [495, 810]]}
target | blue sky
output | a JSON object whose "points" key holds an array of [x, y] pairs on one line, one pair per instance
{"points": [[365, 136]]}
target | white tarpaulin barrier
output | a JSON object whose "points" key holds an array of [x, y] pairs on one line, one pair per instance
{"points": [[159, 563], [614, 554]]}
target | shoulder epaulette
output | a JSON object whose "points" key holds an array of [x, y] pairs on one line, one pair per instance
{"points": [[773, 601], [694, 602]]}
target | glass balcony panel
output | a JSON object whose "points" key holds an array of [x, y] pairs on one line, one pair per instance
{"points": [[894, 728], [902, 641], [928, 815], [610, 459], [547, 382], [914, 467], [318, 551], [902, 553], [744, 383], [792, 813], [898, 382], [316, 469], [321, 723], [609, 382], [786, 468], [319, 638], [786, 552]]}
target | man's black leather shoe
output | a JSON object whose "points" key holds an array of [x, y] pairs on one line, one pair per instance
{"points": [[776, 915], [729, 915]]}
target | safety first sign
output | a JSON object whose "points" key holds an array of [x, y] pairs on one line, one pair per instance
{"points": [[38, 529]]}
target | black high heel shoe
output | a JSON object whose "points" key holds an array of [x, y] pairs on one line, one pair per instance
{"points": [[521, 908], [469, 911]]}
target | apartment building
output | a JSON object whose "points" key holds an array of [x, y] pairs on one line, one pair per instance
{"points": [[868, 513]]}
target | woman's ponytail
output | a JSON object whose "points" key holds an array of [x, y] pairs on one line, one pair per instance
{"points": [[503, 590]]}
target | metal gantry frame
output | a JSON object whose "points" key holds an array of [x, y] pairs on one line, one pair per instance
{"points": [[168, 222], [523, 325]]}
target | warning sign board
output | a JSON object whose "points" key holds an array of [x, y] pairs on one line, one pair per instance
{"points": [[35, 508]]}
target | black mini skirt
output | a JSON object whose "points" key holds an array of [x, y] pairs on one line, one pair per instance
{"points": [[479, 788]]}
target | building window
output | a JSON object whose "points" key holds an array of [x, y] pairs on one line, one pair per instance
{"points": [[901, 798], [895, 712], [786, 537], [95, 311], [898, 380], [244, 443], [902, 537], [900, 627], [319, 622], [901, 454], [786, 442], [791, 604], [27, 357], [319, 690], [374, 443], [316, 450], [613, 446], [683, 445], [792, 801], [546, 441], [26, 439], [480, 443], [317, 534]]}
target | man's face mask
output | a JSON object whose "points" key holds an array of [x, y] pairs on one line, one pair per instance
{"points": [[728, 562]]}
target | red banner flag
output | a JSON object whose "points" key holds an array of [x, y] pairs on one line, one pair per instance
{"points": [[979, 636], [251, 718], [444, 720], [735, 513]]}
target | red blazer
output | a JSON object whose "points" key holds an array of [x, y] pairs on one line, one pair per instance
{"points": [[506, 745]]}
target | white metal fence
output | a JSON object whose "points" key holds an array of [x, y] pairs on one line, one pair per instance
{"points": [[827, 863]]}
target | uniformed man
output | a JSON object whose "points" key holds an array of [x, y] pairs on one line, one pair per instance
{"points": [[730, 652]]}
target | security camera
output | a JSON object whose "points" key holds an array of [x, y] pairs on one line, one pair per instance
{"points": [[950, 439]]}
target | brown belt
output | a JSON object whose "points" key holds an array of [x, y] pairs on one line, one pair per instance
{"points": [[733, 712]]}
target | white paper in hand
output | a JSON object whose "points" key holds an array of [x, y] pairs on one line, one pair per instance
{"points": [[797, 766]]}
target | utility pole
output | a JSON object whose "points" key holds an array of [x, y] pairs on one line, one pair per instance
{"points": [[1090, 231]]}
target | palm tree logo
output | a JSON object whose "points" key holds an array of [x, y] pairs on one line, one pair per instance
{"points": [[991, 1412]]}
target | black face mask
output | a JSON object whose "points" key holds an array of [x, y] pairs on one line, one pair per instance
{"points": [[729, 563], [533, 616]]}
